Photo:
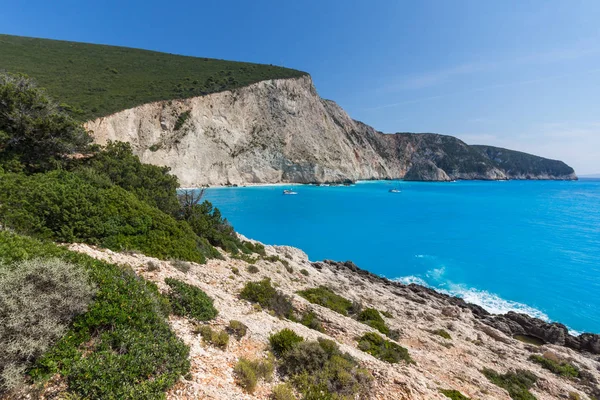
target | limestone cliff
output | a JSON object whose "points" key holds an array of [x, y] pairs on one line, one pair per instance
{"points": [[281, 131]]}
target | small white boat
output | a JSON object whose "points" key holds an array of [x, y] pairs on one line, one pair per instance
{"points": [[394, 190], [289, 191]]}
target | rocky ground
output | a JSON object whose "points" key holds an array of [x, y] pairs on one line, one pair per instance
{"points": [[416, 312]]}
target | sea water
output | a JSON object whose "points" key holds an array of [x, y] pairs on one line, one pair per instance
{"points": [[527, 246]]}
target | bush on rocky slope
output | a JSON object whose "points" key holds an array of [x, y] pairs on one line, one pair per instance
{"points": [[190, 301], [122, 347], [454, 395], [263, 293], [371, 317], [383, 349], [326, 297], [38, 299], [516, 383], [248, 372], [559, 367]]}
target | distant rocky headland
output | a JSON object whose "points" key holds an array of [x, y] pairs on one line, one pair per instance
{"points": [[281, 131]]}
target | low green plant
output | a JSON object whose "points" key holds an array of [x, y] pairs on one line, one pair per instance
{"points": [[310, 320], [326, 297], [561, 368], [264, 294], [181, 120], [371, 317], [386, 314], [284, 340], [304, 272], [122, 347], [253, 269], [283, 391], [454, 394], [319, 370], [383, 349], [152, 266], [443, 333], [219, 339], [235, 270], [181, 265], [248, 372], [190, 301], [38, 300], [237, 329], [517, 383]]}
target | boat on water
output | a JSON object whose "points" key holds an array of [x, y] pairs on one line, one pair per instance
{"points": [[394, 190], [289, 191]]}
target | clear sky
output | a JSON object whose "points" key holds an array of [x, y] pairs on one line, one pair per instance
{"points": [[519, 74]]}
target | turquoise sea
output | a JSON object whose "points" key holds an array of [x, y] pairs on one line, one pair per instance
{"points": [[532, 247]]}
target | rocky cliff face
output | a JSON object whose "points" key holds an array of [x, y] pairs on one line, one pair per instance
{"points": [[282, 131]]}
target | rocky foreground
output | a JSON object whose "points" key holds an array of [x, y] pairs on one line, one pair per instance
{"points": [[478, 339]]}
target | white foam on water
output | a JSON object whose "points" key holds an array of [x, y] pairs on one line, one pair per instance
{"points": [[489, 301]]}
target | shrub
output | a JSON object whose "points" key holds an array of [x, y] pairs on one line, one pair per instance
{"points": [[561, 368], [387, 314], [283, 391], [325, 297], [235, 270], [248, 372], [182, 266], [181, 120], [371, 317], [304, 272], [237, 329], [35, 134], [152, 184], [107, 216], [216, 338], [253, 269], [38, 299], [152, 266], [283, 341], [383, 349], [249, 247], [122, 347], [310, 320], [442, 333], [190, 301], [263, 293], [321, 371], [454, 395], [516, 383]]}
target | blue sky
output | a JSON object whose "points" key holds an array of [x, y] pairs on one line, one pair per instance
{"points": [[519, 74]]}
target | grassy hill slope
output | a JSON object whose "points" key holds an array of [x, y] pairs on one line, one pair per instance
{"points": [[97, 80]]}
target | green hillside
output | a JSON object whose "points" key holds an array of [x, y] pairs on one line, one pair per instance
{"points": [[97, 80]]}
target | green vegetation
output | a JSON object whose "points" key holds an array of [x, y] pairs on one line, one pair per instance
{"points": [[117, 164], [65, 207], [122, 347], [190, 301], [326, 297], [98, 80], [386, 314], [283, 341], [31, 321], [304, 272], [454, 395], [182, 266], [264, 294], [219, 339], [516, 383], [181, 120], [383, 349], [310, 320], [283, 391], [371, 317], [248, 372], [237, 329], [35, 135], [562, 368], [318, 369], [442, 333], [253, 269], [517, 163]]}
